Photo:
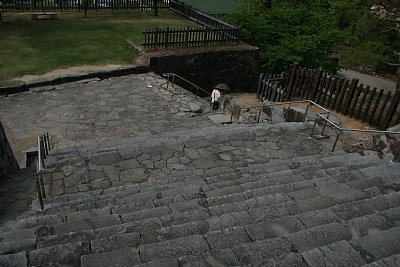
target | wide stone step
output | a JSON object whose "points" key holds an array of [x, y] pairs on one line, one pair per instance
{"points": [[379, 245], [291, 228], [112, 196], [390, 261]]}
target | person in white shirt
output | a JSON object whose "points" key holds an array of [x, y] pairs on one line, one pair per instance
{"points": [[215, 95]]}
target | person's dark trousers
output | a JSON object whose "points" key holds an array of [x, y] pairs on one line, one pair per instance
{"points": [[215, 105]]}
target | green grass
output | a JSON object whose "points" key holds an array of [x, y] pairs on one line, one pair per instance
{"points": [[34, 47], [213, 6]]}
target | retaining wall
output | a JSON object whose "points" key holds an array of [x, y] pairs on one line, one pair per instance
{"points": [[237, 66], [7, 159]]}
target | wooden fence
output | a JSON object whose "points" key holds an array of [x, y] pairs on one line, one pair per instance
{"points": [[359, 101], [185, 37], [78, 5], [214, 31], [271, 87]]}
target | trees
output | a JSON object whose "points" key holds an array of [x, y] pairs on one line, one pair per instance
{"points": [[389, 17], [291, 34]]}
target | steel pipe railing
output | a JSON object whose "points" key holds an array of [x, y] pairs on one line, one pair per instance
{"points": [[168, 75], [44, 148]]}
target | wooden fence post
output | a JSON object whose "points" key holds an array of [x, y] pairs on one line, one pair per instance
{"points": [[166, 37], [317, 81], [156, 38], [391, 111], [291, 80], [349, 97]]}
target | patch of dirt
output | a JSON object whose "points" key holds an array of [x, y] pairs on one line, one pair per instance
{"points": [[250, 100]]}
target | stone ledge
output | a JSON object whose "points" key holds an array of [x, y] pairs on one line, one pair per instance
{"points": [[23, 87]]}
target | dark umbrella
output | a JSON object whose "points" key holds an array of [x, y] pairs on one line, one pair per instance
{"points": [[222, 87]]}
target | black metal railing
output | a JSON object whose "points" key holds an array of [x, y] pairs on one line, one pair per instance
{"points": [[43, 143], [198, 91]]}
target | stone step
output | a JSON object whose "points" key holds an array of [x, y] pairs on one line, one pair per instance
{"points": [[152, 230], [379, 245], [390, 261], [340, 253], [228, 238], [114, 193]]}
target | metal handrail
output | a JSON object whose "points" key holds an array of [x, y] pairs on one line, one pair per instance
{"points": [[43, 151], [309, 102], [320, 115], [168, 75], [341, 130]]}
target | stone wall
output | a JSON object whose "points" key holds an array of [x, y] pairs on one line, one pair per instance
{"points": [[7, 160], [237, 66]]}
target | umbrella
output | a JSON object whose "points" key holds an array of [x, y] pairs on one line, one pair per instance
{"points": [[222, 87]]}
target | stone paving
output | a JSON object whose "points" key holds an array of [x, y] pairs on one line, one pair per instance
{"points": [[196, 193], [98, 110]]}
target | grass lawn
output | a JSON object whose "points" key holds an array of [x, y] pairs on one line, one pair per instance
{"points": [[213, 6], [34, 47]]}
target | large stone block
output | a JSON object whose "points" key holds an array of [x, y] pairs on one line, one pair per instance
{"points": [[117, 258]]}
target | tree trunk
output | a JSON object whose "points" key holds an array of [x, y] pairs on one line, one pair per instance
{"points": [[1, 18]]}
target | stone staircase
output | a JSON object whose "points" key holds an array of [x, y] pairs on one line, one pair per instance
{"points": [[237, 195]]}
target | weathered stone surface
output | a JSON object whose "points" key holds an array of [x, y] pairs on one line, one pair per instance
{"points": [[175, 231], [274, 228], [14, 260], [174, 248], [79, 215], [319, 236], [390, 261], [227, 238], [115, 242], [379, 246], [337, 254], [86, 224], [257, 251], [185, 217], [66, 254], [121, 257], [130, 227], [317, 217], [145, 214], [10, 246], [368, 225], [53, 240]]}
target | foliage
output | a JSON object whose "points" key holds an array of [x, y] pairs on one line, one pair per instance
{"points": [[309, 31], [285, 35]]}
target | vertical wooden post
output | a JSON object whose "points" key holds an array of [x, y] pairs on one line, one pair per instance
{"points": [[260, 79], [291, 80], [317, 81], [349, 97], [156, 38], [166, 37], [1, 18], [391, 111]]}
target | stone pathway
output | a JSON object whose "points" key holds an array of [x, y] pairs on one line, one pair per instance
{"points": [[81, 113]]}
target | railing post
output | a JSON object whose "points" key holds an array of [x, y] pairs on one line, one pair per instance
{"points": [[259, 116], [167, 81], [305, 113], [39, 193], [166, 37], [287, 112], [392, 110], [323, 128], [315, 123], [42, 185], [336, 140]]}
